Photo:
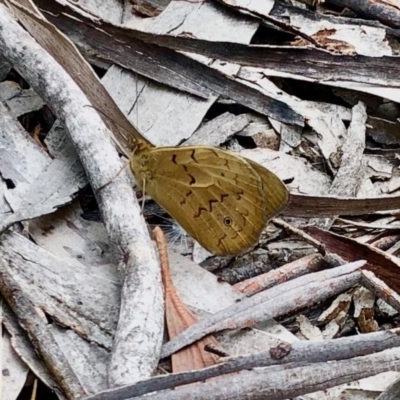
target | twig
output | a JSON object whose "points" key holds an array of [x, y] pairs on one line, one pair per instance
{"points": [[298, 232], [139, 333], [40, 334], [263, 306], [302, 266], [284, 353], [272, 382], [380, 289]]}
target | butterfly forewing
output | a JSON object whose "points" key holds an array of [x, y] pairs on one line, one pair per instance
{"points": [[219, 198]]}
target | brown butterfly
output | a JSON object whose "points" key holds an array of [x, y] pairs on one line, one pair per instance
{"points": [[221, 199]]}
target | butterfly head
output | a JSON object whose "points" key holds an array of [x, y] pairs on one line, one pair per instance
{"points": [[138, 147], [139, 162]]}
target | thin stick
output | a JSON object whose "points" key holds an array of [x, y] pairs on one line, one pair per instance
{"points": [[307, 238]]}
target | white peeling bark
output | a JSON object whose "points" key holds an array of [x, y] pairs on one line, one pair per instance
{"points": [[140, 328]]}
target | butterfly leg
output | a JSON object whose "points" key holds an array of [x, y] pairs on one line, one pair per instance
{"points": [[143, 195], [116, 176]]}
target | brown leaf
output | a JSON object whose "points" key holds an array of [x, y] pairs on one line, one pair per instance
{"points": [[327, 206], [383, 265], [179, 317]]}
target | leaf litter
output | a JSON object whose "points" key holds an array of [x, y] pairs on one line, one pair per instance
{"points": [[245, 83]]}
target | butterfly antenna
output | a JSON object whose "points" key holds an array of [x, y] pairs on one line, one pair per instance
{"points": [[107, 118], [131, 137], [137, 100]]}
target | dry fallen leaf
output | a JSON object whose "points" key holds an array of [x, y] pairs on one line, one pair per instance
{"points": [[179, 318]]}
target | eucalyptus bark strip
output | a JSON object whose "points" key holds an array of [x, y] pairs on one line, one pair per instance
{"points": [[140, 328]]}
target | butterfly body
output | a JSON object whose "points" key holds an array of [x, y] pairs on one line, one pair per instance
{"points": [[221, 199]]}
